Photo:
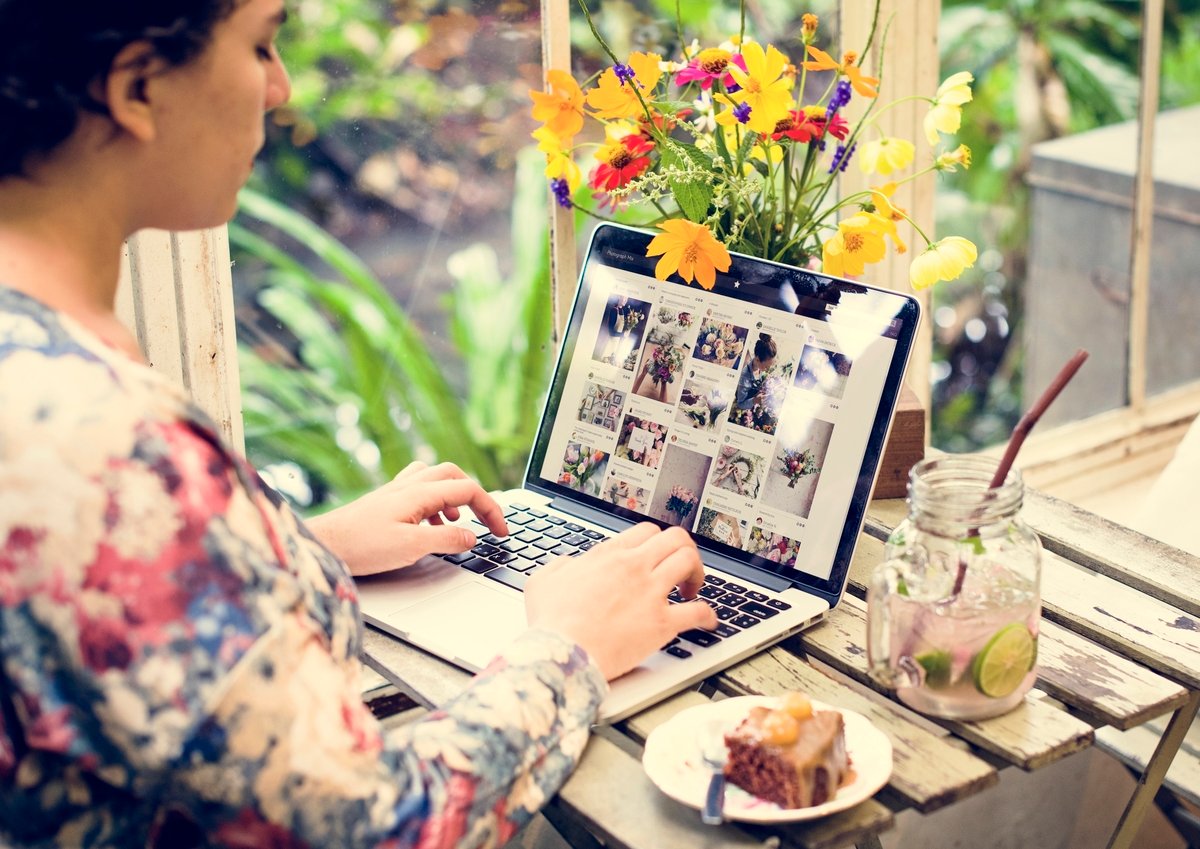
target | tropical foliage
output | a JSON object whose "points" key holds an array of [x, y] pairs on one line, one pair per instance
{"points": [[365, 395]]}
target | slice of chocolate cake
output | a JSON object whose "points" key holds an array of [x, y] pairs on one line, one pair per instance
{"points": [[793, 762]]}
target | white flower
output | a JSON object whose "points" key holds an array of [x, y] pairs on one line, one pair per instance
{"points": [[146, 517]]}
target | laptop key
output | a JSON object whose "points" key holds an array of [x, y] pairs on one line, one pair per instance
{"points": [[753, 596], [528, 536], [711, 592], [677, 651], [509, 577], [574, 539], [571, 526], [714, 580], [725, 630], [724, 613], [759, 610], [543, 560], [704, 639], [512, 545], [546, 542], [735, 588], [492, 539], [587, 545], [554, 520], [485, 550], [519, 519], [478, 564], [539, 525], [461, 557], [541, 514], [778, 604], [557, 533], [587, 532], [514, 509], [504, 557], [732, 599], [563, 550], [522, 565], [674, 596], [744, 621]]}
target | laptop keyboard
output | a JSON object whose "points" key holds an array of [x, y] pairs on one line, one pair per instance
{"points": [[538, 536]]}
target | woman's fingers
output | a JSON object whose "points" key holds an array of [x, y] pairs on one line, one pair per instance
{"points": [[445, 495]]}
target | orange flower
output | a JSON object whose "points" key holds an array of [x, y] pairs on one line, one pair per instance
{"points": [[690, 250], [612, 98], [885, 209], [560, 108], [822, 61]]}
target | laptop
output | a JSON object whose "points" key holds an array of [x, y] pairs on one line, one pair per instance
{"points": [[753, 414]]}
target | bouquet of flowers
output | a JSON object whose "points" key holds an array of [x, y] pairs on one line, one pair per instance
{"points": [[721, 343], [703, 411], [682, 501], [579, 464], [727, 145], [797, 464], [665, 361], [632, 318]]}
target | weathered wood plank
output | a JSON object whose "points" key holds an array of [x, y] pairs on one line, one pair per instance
{"points": [[1031, 736], [422, 676], [1102, 684], [1122, 618], [1155, 568], [929, 771]]}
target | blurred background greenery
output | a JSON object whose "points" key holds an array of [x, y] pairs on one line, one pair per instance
{"points": [[391, 254]]}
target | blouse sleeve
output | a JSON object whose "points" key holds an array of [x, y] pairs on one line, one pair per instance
{"points": [[289, 751], [161, 669]]}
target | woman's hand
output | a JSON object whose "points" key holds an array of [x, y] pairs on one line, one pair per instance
{"points": [[405, 519], [612, 600]]}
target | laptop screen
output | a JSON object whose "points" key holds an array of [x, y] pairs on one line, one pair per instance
{"points": [[753, 414]]}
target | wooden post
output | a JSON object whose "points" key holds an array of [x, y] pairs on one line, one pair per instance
{"points": [[564, 265]]}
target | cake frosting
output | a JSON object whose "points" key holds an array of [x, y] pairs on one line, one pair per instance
{"points": [[789, 754]]}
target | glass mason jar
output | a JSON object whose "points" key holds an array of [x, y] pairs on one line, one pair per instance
{"points": [[953, 609]]}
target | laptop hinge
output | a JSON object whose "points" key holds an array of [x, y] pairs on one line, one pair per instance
{"points": [[763, 578]]}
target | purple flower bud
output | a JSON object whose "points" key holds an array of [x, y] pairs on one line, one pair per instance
{"points": [[624, 72], [742, 112], [562, 192], [841, 157], [839, 98]]}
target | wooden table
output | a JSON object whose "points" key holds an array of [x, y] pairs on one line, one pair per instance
{"points": [[1119, 646]]}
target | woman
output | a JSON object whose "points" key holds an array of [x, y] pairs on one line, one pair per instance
{"points": [[179, 652]]}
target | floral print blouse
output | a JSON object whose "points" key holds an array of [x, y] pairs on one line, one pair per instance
{"points": [[180, 657]]}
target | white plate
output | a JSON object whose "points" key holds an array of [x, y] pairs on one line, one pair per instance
{"points": [[673, 761]]}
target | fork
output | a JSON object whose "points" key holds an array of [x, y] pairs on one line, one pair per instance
{"points": [[714, 753]]}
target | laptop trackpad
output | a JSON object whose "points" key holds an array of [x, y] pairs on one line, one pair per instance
{"points": [[469, 623]]}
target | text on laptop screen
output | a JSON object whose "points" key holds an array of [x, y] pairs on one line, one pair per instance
{"points": [[741, 413]]}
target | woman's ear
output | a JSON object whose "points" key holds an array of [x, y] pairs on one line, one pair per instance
{"points": [[126, 91]]}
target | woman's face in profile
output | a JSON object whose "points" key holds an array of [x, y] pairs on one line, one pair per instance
{"points": [[209, 116]]}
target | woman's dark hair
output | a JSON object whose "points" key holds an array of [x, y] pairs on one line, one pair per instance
{"points": [[765, 348], [53, 51]]}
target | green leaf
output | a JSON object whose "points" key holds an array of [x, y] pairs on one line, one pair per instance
{"points": [[691, 190]]}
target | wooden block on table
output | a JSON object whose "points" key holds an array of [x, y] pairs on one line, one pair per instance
{"points": [[905, 446]]}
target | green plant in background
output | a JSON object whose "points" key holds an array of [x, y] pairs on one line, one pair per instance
{"points": [[367, 396]]}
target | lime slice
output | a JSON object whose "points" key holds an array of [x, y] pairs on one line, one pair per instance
{"points": [[937, 667], [1005, 660]]}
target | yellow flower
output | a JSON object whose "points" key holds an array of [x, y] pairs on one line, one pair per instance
{"points": [[612, 98], [561, 108], [822, 61], [763, 88], [886, 155], [560, 165], [949, 161], [690, 250], [885, 209], [857, 242], [943, 260], [945, 114]]}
